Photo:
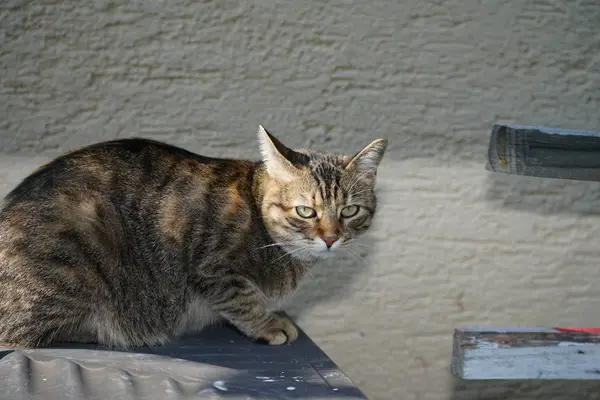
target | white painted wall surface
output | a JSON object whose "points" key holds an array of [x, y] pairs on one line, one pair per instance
{"points": [[454, 245]]}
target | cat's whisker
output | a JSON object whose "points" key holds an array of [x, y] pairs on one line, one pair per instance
{"points": [[353, 242], [359, 192], [308, 272], [356, 255], [290, 242], [289, 253], [353, 255], [357, 180]]}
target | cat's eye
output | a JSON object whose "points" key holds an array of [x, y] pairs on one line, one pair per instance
{"points": [[350, 211], [306, 212]]}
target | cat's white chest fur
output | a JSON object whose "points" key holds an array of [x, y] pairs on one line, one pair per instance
{"points": [[196, 316]]}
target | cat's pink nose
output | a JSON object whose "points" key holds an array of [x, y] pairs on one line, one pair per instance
{"points": [[329, 240]]}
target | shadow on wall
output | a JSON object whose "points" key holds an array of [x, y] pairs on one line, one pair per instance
{"points": [[543, 195]]}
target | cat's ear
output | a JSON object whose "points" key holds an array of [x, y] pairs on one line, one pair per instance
{"points": [[278, 159], [367, 160]]}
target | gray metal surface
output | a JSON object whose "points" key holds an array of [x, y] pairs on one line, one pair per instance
{"points": [[544, 152], [217, 364]]}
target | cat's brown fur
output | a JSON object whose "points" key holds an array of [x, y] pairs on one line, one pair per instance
{"points": [[134, 242]]}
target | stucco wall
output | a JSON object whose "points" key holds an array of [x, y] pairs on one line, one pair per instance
{"points": [[454, 245]]}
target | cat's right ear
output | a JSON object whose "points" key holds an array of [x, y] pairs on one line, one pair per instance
{"points": [[367, 160], [275, 157]]}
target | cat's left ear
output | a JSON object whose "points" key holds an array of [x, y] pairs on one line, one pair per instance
{"points": [[279, 160], [367, 160]]}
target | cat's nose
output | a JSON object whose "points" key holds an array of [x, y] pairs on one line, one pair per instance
{"points": [[329, 240]]}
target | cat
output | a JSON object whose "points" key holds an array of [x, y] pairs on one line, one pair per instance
{"points": [[135, 242]]}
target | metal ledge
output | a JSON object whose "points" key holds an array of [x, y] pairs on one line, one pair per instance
{"points": [[217, 364]]}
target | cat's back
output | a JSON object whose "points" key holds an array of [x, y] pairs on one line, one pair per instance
{"points": [[111, 166], [122, 184]]}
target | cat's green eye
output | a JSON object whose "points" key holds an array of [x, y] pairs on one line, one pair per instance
{"points": [[306, 212], [350, 211]]}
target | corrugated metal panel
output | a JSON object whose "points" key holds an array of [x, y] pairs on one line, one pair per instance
{"points": [[220, 363]]}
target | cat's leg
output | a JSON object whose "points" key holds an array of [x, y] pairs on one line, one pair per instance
{"points": [[261, 324], [243, 305]]}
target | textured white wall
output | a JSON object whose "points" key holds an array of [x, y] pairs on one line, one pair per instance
{"points": [[454, 244]]}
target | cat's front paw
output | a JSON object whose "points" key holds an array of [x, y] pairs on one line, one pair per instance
{"points": [[279, 332]]}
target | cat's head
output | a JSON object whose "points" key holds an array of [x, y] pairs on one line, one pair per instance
{"points": [[316, 204]]}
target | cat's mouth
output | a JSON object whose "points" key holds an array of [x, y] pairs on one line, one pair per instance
{"points": [[313, 249], [322, 249]]}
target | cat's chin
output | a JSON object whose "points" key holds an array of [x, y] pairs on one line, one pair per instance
{"points": [[312, 257], [326, 255]]}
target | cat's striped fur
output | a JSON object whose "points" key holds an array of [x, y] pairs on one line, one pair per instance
{"points": [[134, 242]]}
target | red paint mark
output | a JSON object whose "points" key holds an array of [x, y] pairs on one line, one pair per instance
{"points": [[585, 330]]}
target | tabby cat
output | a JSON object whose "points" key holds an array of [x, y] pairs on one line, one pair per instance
{"points": [[134, 242]]}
